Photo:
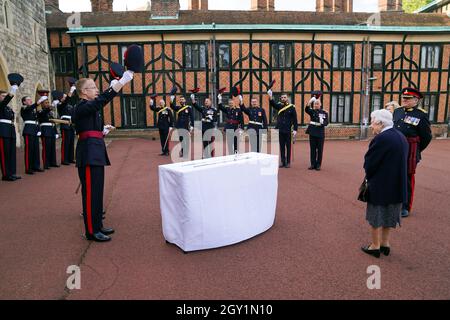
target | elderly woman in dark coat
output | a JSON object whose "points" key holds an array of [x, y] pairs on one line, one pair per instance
{"points": [[385, 167]]}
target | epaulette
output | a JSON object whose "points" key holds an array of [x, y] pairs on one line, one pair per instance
{"points": [[423, 110]]}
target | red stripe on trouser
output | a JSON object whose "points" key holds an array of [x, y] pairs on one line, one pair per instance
{"points": [[413, 183], [89, 200], [27, 154], [2, 152], [62, 147], [44, 152]]}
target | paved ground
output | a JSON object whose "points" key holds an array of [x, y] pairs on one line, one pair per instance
{"points": [[312, 252]]}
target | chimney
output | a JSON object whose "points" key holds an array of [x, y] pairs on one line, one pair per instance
{"points": [[390, 5], [198, 4], [263, 5], [334, 5], [165, 9], [102, 5], [52, 5]]}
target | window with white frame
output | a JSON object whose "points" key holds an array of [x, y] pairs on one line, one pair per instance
{"points": [[430, 105], [378, 57], [342, 56], [281, 55], [430, 57], [341, 108], [195, 56]]}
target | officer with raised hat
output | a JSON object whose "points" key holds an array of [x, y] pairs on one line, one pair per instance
{"points": [[91, 154], [30, 135], [164, 122], [413, 122], [65, 111], [234, 122], [184, 119], [48, 130], [8, 131], [287, 126], [316, 130]]}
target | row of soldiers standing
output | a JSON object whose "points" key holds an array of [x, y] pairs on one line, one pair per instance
{"points": [[39, 123]]}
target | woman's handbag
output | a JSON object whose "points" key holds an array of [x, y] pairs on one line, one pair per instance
{"points": [[364, 191]]}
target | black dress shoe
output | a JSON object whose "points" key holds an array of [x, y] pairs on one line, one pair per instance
{"points": [[16, 177], [405, 213], [287, 166], [107, 231], [47, 168], [385, 250], [318, 168], [65, 163], [54, 166], [29, 172], [372, 252], [38, 170], [73, 162], [8, 179], [311, 168], [98, 237]]}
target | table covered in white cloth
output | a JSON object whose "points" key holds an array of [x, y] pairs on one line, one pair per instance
{"points": [[217, 202]]}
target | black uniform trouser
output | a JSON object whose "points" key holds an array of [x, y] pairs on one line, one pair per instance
{"points": [[163, 135], [232, 140], [184, 145], [31, 152], [92, 185], [67, 145], [285, 147], [316, 146], [257, 147], [48, 151], [208, 152], [8, 156]]}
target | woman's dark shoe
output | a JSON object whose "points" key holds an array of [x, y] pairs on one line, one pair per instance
{"points": [[385, 250], [372, 252], [107, 231]]}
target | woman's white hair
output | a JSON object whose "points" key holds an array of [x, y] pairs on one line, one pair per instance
{"points": [[383, 116]]}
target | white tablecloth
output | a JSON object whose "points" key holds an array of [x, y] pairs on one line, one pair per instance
{"points": [[219, 201]]}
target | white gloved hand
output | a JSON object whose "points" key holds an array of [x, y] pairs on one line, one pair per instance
{"points": [[219, 98], [270, 93], [193, 97], [151, 102], [241, 99], [170, 128], [39, 134], [127, 77], [191, 129], [55, 103], [312, 100], [57, 136], [294, 133], [172, 98], [113, 83], [42, 99], [72, 89], [13, 89]]}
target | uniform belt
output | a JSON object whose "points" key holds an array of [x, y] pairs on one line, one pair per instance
{"points": [[254, 122], [30, 122], [315, 123], [233, 122], [6, 121], [66, 117], [90, 134], [46, 124], [205, 120]]}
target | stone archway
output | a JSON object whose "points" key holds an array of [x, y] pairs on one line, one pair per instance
{"points": [[4, 83]]}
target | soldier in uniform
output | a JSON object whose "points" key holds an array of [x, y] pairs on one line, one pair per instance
{"points": [[165, 123], [48, 132], [30, 136], [184, 120], [235, 121], [209, 122], [65, 111], [8, 136], [91, 155], [316, 130], [257, 120], [413, 122], [287, 126]]}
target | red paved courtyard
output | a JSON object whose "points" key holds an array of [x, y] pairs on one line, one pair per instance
{"points": [[312, 252]]}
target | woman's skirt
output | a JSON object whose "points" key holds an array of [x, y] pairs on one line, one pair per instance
{"points": [[384, 216]]}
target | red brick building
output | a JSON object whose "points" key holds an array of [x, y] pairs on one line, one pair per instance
{"points": [[359, 60]]}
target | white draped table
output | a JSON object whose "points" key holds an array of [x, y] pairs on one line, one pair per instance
{"points": [[217, 202]]}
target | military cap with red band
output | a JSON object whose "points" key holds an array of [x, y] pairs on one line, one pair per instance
{"points": [[412, 92], [134, 58], [235, 91], [116, 71], [43, 93], [222, 90], [317, 94], [195, 90], [15, 79]]}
